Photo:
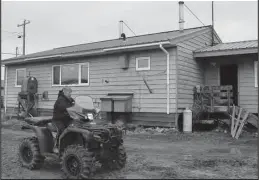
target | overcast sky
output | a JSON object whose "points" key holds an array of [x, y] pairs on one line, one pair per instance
{"points": [[57, 24]]}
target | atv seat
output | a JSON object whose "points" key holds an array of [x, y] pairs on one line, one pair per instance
{"points": [[39, 121]]}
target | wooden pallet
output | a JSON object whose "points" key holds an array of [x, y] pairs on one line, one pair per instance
{"points": [[238, 120]]}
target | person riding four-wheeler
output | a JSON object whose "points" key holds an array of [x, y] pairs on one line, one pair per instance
{"points": [[81, 140], [61, 118]]}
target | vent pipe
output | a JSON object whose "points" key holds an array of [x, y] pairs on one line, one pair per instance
{"points": [[120, 28], [181, 16], [212, 32]]}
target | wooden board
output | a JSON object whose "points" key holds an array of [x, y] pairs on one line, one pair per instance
{"points": [[241, 126], [220, 108], [253, 119]]}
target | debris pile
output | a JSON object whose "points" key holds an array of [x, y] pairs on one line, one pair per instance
{"points": [[133, 129]]}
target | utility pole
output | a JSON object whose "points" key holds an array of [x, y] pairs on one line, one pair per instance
{"points": [[24, 24]]}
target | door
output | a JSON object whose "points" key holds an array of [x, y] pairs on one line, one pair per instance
{"points": [[229, 76]]}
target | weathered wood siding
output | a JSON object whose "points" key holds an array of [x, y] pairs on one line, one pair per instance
{"points": [[108, 68], [248, 93], [190, 71]]}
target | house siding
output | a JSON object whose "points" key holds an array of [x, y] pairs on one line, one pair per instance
{"points": [[248, 93], [190, 71], [108, 68]]}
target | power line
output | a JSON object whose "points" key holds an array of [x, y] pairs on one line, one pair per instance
{"points": [[194, 15], [129, 28], [8, 37], [10, 53], [10, 32]]}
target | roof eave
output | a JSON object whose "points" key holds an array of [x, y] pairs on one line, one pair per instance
{"points": [[225, 52], [91, 53]]}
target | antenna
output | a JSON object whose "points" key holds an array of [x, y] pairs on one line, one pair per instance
{"points": [[212, 32], [122, 34]]}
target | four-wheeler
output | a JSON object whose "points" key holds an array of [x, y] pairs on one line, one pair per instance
{"points": [[83, 143]]}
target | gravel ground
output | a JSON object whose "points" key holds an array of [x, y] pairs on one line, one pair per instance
{"points": [[155, 155]]}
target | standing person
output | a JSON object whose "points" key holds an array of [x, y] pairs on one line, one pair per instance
{"points": [[61, 116]]}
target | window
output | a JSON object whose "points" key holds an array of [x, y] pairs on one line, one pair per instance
{"points": [[20, 76], [256, 73], [143, 63], [70, 74]]}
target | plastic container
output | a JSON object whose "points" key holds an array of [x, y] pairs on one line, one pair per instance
{"points": [[187, 121]]}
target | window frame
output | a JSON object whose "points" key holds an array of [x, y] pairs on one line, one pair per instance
{"points": [[79, 75], [145, 68], [16, 73], [256, 73]]}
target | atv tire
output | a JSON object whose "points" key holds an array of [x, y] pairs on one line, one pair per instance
{"points": [[118, 161], [29, 154], [77, 162]]}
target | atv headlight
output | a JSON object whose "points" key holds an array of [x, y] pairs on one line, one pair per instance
{"points": [[90, 116]]}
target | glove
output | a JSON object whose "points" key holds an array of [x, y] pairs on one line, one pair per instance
{"points": [[72, 101]]}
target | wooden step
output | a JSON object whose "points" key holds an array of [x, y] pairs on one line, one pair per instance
{"points": [[220, 109]]}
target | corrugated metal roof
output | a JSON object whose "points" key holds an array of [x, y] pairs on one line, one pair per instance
{"points": [[142, 39], [230, 46]]}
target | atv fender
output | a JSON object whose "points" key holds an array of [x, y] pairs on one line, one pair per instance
{"points": [[85, 134], [45, 138]]}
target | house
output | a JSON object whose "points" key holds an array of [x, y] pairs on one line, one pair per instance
{"points": [[119, 66], [159, 69]]}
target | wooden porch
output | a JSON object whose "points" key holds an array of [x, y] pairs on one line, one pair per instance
{"points": [[216, 102]]}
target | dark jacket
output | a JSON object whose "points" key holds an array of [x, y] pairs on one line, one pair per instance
{"points": [[60, 108]]}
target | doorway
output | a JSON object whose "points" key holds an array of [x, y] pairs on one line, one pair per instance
{"points": [[229, 76]]}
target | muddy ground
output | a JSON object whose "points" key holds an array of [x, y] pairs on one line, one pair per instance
{"points": [[171, 155]]}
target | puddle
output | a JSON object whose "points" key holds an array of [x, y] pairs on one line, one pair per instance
{"points": [[187, 157], [245, 142], [219, 151], [235, 151], [206, 173], [134, 176], [231, 151], [216, 162]]}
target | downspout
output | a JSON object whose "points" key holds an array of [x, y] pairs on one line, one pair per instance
{"points": [[5, 92], [167, 81], [176, 95]]}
